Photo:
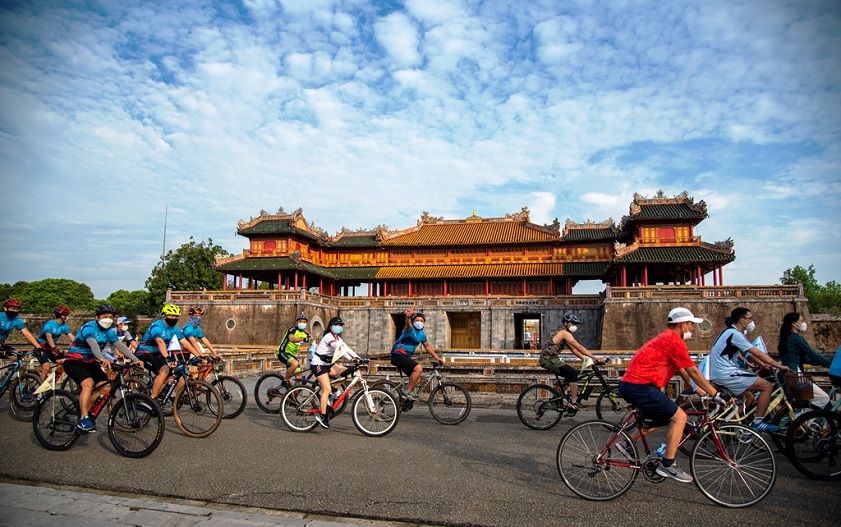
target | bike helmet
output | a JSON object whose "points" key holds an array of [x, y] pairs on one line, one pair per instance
{"points": [[12, 302], [61, 311], [302, 316], [101, 309], [418, 315], [569, 317], [196, 310], [171, 310]]}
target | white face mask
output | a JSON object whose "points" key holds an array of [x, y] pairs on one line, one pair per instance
{"points": [[750, 327], [801, 327], [418, 325], [105, 322], [573, 328], [687, 335]]}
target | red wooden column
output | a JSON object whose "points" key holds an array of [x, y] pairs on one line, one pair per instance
{"points": [[296, 279], [240, 281], [487, 287], [624, 276], [645, 276], [525, 292], [224, 282], [445, 287]]}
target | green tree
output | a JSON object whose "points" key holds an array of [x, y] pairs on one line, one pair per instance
{"points": [[822, 299], [129, 303], [188, 268], [42, 296]]}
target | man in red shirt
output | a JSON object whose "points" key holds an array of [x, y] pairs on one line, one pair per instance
{"points": [[650, 370]]}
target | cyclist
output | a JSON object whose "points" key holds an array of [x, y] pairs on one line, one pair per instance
{"points": [[85, 362], [193, 332], [323, 367], [125, 337], [153, 351], [10, 321], [835, 369], [550, 360], [50, 332], [651, 368], [287, 352], [795, 352], [401, 352], [725, 370]]}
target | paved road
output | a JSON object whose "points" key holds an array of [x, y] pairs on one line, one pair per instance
{"points": [[489, 471]]}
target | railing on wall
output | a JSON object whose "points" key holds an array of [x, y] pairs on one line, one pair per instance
{"points": [[684, 291]]}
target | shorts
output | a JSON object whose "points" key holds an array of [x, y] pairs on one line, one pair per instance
{"points": [[404, 363], [320, 369], [79, 371], [556, 365], [286, 358], [153, 361], [654, 405], [45, 355], [836, 380], [736, 384]]}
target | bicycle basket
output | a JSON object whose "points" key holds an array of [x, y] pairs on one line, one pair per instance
{"points": [[799, 385]]}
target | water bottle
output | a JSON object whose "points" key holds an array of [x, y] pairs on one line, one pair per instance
{"points": [[661, 450]]}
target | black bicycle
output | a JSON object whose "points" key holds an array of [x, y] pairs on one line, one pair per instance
{"points": [[135, 424], [541, 406], [20, 384]]}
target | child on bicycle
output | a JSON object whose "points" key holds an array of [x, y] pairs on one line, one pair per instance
{"points": [[405, 346], [287, 352], [47, 352], [550, 360]]}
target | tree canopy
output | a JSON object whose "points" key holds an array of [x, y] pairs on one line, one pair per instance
{"points": [[188, 268], [822, 298], [42, 296]]}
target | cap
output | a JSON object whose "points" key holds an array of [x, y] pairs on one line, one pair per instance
{"points": [[681, 314], [123, 320], [336, 321]]}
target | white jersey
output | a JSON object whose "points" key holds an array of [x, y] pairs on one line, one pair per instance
{"points": [[326, 350]]}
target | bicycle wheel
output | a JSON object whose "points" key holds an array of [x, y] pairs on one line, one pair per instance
{"points": [[449, 403], [233, 395], [813, 442], [610, 405], [376, 413], [299, 407], [539, 407], [269, 392], [577, 462], [783, 419], [22, 398], [197, 408], [738, 474], [136, 425], [54, 420]]}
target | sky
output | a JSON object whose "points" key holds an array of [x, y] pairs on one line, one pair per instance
{"points": [[117, 115]]}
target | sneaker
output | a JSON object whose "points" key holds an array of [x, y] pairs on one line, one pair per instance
{"points": [[626, 449], [412, 396], [86, 425], [674, 472], [322, 420], [762, 426]]}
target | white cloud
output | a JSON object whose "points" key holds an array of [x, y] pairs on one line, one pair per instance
{"points": [[399, 37]]}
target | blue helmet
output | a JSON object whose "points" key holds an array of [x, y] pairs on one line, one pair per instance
{"points": [[569, 317]]}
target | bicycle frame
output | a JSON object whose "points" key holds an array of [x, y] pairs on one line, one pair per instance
{"points": [[14, 368], [433, 379]]}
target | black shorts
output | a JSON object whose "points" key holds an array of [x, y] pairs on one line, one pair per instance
{"points": [[836, 380], [321, 369], [79, 371], [45, 355], [654, 405], [153, 361], [286, 358], [404, 363]]}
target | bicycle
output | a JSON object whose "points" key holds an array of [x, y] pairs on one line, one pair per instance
{"points": [[813, 441], [449, 402], [21, 385], [541, 406], [195, 405], [135, 424], [375, 411], [270, 389], [731, 464], [231, 389]]}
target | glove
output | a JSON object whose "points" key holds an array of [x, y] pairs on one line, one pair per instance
{"points": [[440, 364]]}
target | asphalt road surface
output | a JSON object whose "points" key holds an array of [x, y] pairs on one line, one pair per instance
{"points": [[488, 471]]}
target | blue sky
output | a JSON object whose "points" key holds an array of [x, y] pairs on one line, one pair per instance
{"points": [[368, 113]]}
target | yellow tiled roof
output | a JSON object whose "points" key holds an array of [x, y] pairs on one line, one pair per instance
{"points": [[470, 271], [471, 233]]}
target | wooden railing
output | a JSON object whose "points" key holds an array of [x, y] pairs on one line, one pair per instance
{"points": [[683, 291]]}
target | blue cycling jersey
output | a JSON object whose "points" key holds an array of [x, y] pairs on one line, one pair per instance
{"points": [[158, 329], [80, 349], [409, 341], [7, 326], [53, 328]]}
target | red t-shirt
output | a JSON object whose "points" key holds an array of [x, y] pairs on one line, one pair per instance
{"points": [[658, 360]]}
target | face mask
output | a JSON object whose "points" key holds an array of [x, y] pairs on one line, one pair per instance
{"points": [[302, 326], [170, 323], [418, 325], [573, 328], [801, 327], [105, 322], [11, 314], [687, 335], [750, 327], [336, 329], [195, 320]]}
